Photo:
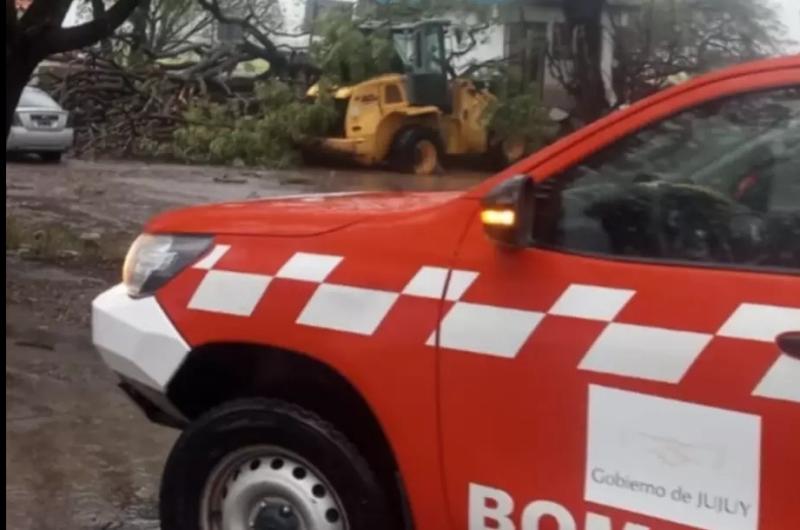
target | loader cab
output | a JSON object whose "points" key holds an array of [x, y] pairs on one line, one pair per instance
{"points": [[421, 47]]}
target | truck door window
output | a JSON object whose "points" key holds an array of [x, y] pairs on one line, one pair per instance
{"points": [[392, 94], [718, 184]]}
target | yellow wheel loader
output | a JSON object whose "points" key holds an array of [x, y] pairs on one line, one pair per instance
{"points": [[413, 120]]}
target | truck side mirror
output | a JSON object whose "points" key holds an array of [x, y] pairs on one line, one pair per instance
{"points": [[507, 212]]}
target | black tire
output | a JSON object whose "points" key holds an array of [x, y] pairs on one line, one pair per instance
{"points": [[249, 422], [51, 156], [407, 142]]}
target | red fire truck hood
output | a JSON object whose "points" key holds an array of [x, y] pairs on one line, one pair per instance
{"points": [[294, 216]]}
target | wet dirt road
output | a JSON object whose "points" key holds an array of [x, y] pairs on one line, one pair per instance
{"points": [[79, 455]]}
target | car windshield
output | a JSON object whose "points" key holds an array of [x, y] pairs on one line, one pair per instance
{"points": [[38, 99]]}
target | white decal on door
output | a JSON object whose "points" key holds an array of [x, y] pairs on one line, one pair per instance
{"points": [[678, 461]]}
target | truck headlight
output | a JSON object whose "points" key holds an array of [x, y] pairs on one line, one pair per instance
{"points": [[154, 259]]}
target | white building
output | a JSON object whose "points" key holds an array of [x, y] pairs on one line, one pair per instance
{"points": [[523, 33]]}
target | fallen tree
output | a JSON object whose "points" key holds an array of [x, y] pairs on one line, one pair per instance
{"points": [[178, 111], [129, 94], [115, 110]]}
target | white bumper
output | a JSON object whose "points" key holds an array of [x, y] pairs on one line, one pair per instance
{"points": [[22, 139], [136, 339]]}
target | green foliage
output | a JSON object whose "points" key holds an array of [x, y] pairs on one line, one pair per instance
{"points": [[519, 114], [349, 50], [346, 54], [518, 111], [266, 131]]}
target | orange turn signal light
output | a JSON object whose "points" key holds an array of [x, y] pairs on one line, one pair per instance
{"points": [[498, 217]]}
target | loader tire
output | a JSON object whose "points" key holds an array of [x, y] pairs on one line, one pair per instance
{"points": [[416, 150]]}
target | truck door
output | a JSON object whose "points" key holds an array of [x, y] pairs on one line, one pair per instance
{"points": [[623, 371]]}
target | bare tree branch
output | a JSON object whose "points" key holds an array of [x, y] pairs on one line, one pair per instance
{"points": [[65, 39], [269, 50], [471, 33]]}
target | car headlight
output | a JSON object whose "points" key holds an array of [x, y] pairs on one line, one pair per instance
{"points": [[154, 259]]}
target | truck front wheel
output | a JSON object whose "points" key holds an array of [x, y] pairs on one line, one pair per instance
{"points": [[416, 150], [266, 464]]}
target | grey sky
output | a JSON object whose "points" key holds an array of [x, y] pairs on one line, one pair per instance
{"points": [[790, 15]]}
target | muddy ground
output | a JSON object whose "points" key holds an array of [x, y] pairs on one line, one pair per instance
{"points": [[78, 454]]}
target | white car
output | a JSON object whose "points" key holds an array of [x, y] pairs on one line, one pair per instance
{"points": [[40, 126]]}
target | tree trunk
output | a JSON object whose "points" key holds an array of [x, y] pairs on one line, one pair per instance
{"points": [[591, 100], [585, 22], [139, 20], [19, 66], [99, 10]]}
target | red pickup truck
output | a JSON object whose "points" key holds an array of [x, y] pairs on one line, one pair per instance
{"points": [[606, 336]]}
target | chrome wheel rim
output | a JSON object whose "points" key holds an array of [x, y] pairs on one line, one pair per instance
{"points": [[269, 488]]}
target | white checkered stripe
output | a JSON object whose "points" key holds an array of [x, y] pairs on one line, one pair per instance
{"points": [[623, 349], [333, 306]]}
